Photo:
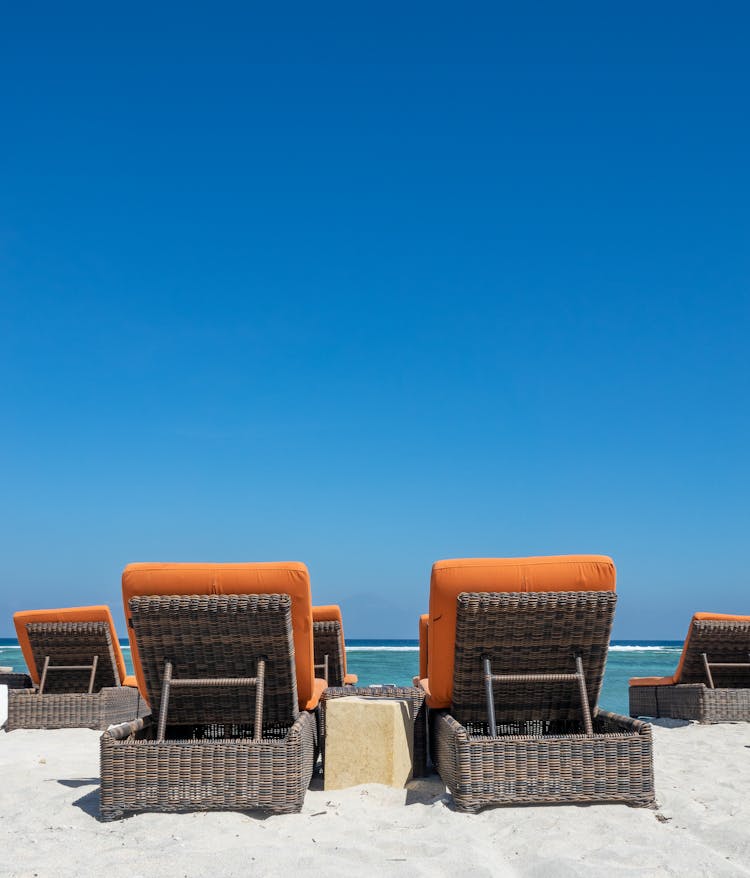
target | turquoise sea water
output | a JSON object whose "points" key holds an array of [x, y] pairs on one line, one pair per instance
{"points": [[397, 661]]}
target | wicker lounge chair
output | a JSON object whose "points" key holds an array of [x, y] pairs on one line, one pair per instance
{"points": [[515, 661], [329, 646], [225, 654], [712, 680], [77, 675]]}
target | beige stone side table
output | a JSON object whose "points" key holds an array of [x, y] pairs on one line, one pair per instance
{"points": [[369, 740]]}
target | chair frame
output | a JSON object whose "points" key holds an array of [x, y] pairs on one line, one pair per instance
{"points": [[545, 746], [77, 703], [205, 747], [697, 696]]}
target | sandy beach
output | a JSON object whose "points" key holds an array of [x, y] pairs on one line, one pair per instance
{"points": [[49, 804]]}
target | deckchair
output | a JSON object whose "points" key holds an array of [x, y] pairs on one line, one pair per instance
{"points": [[329, 646], [76, 669], [515, 660], [224, 653], [712, 680]]}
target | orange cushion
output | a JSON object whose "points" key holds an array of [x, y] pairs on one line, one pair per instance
{"points": [[350, 680], [718, 617], [66, 614], [289, 578], [328, 613], [131, 681], [319, 687], [423, 626], [332, 613], [651, 681], [451, 578]]}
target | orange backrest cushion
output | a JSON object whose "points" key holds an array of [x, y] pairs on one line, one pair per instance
{"points": [[332, 613], [703, 617], [67, 614], [289, 578], [451, 578]]}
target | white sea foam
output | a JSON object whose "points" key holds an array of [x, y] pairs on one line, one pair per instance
{"points": [[616, 648]]}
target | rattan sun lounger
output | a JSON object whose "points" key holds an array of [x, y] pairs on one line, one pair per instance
{"points": [[515, 661], [225, 655], [712, 680], [77, 676], [330, 647]]}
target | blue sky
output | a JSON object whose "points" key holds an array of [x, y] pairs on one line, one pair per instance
{"points": [[367, 287]]}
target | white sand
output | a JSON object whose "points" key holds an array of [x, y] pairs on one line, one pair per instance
{"points": [[49, 804]]}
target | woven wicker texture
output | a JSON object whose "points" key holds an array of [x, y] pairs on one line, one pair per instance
{"points": [[206, 772], [537, 762], [208, 759], [691, 701], [540, 753], [28, 710], [73, 643], [722, 641], [327, 642], [218, 636], [418, 709], [16, 681], [525, 633]]}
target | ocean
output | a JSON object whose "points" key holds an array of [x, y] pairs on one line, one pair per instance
{"points": [[397, 661]]}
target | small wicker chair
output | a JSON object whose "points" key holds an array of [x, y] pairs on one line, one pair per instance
{"points": [[77, 675], [225, 654], [516, 657], [330, 646], [712, 680]]}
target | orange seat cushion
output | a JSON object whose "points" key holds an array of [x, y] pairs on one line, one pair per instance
{"points": [[289, 578], [423, 626], [66, 614], [451, 578], [332, 613], [131, 681], [651, 681], [319, 687]]}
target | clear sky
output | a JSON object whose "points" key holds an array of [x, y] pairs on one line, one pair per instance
{"points": [[371, 285]]}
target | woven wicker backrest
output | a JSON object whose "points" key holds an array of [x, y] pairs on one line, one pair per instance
{"points": [[539, 633], [327, 639], [217, 636], [285, 577], [722, 641], [73, 643]]}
